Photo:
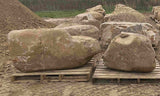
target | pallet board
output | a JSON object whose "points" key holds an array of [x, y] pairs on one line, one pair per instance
{"points": [[77, 74], [103, 73]]}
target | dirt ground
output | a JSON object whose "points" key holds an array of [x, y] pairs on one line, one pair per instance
{"points": [[35, 88], [9, 88]]}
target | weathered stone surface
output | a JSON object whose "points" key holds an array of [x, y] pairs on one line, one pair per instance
{"points": [[98, 9], [111, 29], [90, 16], [156, 12], [46, 49], [57, 21], [130, 52], [125, 13], [80, 30], [93, 22]]}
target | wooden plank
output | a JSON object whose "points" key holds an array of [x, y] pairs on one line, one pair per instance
{"points": [[62, 73], [102, 72]]}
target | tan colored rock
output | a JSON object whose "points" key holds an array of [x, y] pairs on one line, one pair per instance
{"points": [[98, 9], [49, 49], [111, 29], [80, 30], [156, 12], [125, 13], [93, 22], [130, 52], [90, 16], [57, 21]]}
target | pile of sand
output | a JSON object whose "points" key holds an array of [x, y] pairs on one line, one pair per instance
{"points": [[14, 15]]}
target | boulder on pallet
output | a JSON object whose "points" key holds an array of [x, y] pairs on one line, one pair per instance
{"points": [[111, 29], [48, 49], [75, 29], [130, 52], [125, 13]]}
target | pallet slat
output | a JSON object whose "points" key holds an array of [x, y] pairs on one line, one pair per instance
{"points": [[104, 73]]}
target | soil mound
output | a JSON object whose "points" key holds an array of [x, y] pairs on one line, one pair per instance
{"points": [[15, 15]]}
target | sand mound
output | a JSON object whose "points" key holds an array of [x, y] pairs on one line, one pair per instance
{"points": [[15, 15]]}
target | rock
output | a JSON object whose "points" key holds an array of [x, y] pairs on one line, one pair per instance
{"points": [[49, 49], [57, 21], [130, 52], [111, 29], [125, 13], [98, 9], [79, 30], [157, 51], [156, 12], [93, 22], [89, 16]]}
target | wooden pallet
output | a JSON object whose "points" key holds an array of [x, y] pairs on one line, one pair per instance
{"points": [[105, 74], [77, 74]]}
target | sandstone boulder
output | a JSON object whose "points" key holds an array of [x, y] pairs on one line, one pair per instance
{"points": [[125, 13], [90, 16], [111, 29], [156, 12], [49, 49], [57, 21], [98, 9], [130, 52], [79, 30], [93, 22]]}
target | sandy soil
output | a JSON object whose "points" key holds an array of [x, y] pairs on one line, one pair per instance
{"points": [[35, 88]]}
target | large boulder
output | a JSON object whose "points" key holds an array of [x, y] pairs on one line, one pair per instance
{"points": [[48, 49], [58, 21], [75, 29], [93, 22], [89, 16], [98, 9], [111, 29], [130, 52], [125, 13], [156, 12]]}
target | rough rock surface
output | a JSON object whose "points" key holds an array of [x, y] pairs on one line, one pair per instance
{"points": [[80, 30], [58, 21], [98, 9], [90, 16], [46, 49], [93, 22], [111, 29], [130, 52], [156, 12], [125, 13]]}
